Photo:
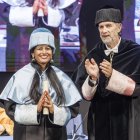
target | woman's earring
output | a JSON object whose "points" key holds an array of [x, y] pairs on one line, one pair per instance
{"points": [[33, 59], [51, 61]]}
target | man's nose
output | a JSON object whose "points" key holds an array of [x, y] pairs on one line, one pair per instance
{"points": [[104, 30]]}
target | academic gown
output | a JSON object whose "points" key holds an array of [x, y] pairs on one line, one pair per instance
{"points": [[44, 131], [30, 125], [113, 116]]}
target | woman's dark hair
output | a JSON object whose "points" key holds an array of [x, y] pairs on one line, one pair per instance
{"points": [[54, 82]]}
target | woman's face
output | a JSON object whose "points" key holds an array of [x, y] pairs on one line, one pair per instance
{"points": [[42, 54]]}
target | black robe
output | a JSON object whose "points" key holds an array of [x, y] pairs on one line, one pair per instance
{"points": [[113, 116], [44, 131]]}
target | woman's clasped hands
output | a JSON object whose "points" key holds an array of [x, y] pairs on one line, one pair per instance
{"points": [[45, 102]]}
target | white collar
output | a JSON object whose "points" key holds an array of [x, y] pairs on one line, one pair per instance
{"points": [[115, 49]]}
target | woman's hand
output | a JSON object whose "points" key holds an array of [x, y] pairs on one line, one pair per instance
{"points": [[48, 102], [40, 4], [43, 5], [45, 102], [35, 6], [41, 103]]}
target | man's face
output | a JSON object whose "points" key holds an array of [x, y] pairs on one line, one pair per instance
{"points": [[109, 33]]}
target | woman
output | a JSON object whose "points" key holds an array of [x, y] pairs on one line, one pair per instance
{"points": [[24, 13], [39, 86]]}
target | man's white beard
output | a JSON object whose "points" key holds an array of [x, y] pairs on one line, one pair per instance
{"points": [[107, 40]]}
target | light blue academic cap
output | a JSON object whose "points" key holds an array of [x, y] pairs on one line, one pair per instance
{"points": [[42, 36]]}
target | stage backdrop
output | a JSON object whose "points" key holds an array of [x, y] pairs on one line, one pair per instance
{"points": [[14, 41]]}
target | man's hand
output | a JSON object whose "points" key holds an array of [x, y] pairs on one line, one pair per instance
{"points": [[92, 69], [106, 68]]}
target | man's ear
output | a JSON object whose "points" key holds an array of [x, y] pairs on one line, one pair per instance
{"points": [[119, 27]]}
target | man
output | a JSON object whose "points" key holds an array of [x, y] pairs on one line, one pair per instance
{"points": [[109, 77]]}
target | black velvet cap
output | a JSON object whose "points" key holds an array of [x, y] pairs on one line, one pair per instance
{"points": [[108, 14]]}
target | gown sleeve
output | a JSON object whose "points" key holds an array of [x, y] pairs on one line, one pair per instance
{"points": [[121, 84], [62, 115], [27, 114], [23, 114], [23, 18]]}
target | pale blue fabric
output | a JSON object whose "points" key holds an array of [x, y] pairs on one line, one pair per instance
{"points": [[17, 89]]}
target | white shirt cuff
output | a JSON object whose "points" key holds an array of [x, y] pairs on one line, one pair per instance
{"points": [[87, 90]]}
